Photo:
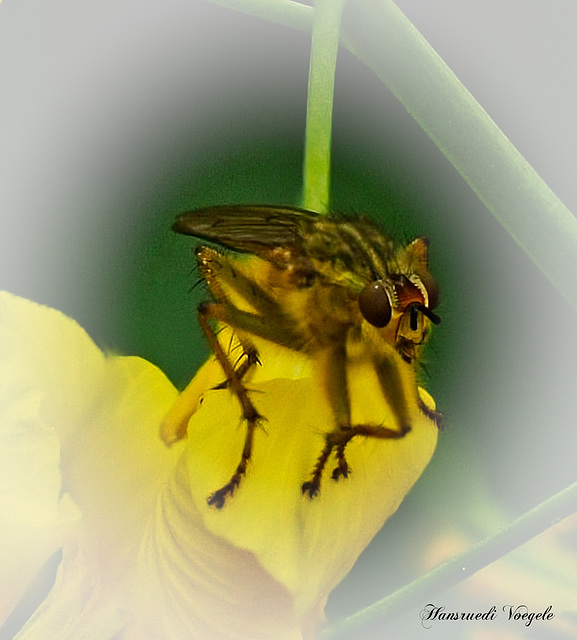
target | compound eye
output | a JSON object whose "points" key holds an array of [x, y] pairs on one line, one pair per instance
{"points": [[375, 304]]}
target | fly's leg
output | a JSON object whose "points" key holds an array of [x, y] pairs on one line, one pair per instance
{"points": [[220, 275], [251, 358], [337, 441], [436, 416], [206, 311], [342, 469], [392, 386], [227, 277], [333, 372], [313, 486], [365, 430]]}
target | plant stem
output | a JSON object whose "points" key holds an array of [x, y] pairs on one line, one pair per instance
{"points": [[317, 155], [325, 20]]}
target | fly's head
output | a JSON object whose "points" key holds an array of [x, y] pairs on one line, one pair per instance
{"points": [[401, 302]]}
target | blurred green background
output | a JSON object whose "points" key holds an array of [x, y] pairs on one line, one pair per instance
{"points": [[167, 109]]}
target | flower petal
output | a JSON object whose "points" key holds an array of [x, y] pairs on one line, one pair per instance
{"points": [[195, 585], [36, 516], [114, 470], [78, 433], [307, 545]]}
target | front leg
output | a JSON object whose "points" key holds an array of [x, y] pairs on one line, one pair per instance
{"points": [[332, 370], [337, 441], [245, 323], [215, 310], [230, 279], [249, 358], [335, 375]]}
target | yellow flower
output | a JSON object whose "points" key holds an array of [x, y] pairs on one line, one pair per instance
{"points": [[144, 555]]}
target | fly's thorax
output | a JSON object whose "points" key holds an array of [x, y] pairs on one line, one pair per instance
{"points": [[290, 268], [319, 297]]}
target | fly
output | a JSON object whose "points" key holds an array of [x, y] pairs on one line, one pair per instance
{"points": [[316, 284]]}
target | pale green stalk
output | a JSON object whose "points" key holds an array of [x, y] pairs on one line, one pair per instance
{"points": [[317, 156]]}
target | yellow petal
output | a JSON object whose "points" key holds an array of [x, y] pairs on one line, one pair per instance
{"points": [[78, 433], [195, 585], [36, 516], [35, 519], [281, 363], [115, 472], [307, 545]]}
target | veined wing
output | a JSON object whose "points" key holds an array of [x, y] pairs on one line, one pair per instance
{"points": [[247, 228]]}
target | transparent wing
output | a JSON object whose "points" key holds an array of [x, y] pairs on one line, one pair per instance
{"points": [[247, 228]]}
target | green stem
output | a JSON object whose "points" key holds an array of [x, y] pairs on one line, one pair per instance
{"points": [[317, 157], [463, 566]]}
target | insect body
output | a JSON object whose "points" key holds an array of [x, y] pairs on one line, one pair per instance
{"points": [[323, 285]]}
